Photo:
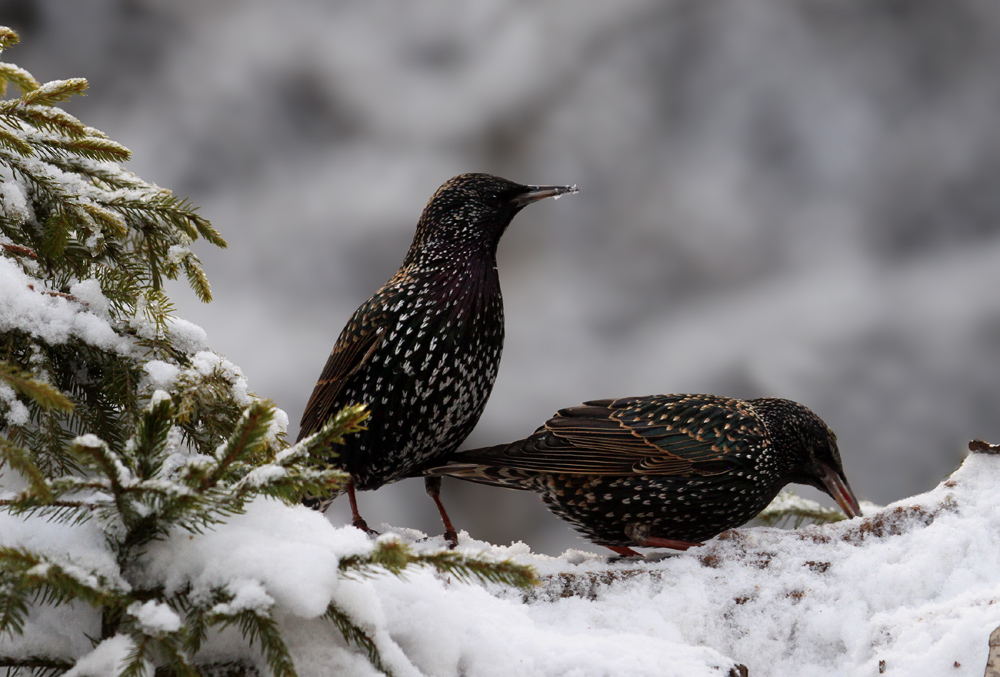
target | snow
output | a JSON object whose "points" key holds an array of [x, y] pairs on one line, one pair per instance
{"points": [[108, 658], [17, 413], [155, 617], [24, 306], [913, 587], [292, 552], [207, 363], [13, 199], [161, 374], [187, 336], [89, 293]]}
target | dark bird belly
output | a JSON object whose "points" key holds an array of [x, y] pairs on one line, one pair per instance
{"points": [[606, 509], [426, 386]]}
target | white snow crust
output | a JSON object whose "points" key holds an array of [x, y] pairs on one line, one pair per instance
{"points": [[51, 317], [912, 589]]}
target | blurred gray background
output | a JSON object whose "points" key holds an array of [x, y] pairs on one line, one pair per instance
{"points": [[778, 197]]}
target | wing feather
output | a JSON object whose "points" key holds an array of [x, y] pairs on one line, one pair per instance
{"points": [[658, 435]]}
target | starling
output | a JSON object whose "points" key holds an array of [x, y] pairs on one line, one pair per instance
{"points": [[664, 470], [423, 351]]}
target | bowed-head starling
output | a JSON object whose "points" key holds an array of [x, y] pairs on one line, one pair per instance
{"points": [[423, 351], [664, 470]]}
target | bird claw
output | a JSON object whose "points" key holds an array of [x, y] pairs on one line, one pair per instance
{"points": [[360, 523], [451, 538]]}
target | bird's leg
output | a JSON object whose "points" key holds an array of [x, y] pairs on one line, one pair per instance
{"points": [[667, 543], [623, 551], [357, 520], [640, 534], [433, 487]]}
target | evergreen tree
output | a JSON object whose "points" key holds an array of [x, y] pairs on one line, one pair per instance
{"points": [[116, 416]]}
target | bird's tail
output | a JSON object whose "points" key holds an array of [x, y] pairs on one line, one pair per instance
{"points": [[474, 466]]}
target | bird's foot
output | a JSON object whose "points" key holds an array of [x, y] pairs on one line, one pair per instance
{"points": [[360, 523], [623, 551], [639, 533], [433, 487], [667, 543]]}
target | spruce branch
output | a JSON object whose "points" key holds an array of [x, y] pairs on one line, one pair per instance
{"points": [[259, 628], [354, 634], [54, 92], [14, 143], [19, 459], [152, 643], [28, 576], [289, 479], [248, 440], [790, 511], [20, 78], [96, 454], [394, 557], [41, 393], [467, 569], [90, 147], [8, 38], [150, 440], [38, 666], [43, 118], [14, 602], [139, 658]]}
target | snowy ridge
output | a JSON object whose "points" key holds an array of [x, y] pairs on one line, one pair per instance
{"points": [[909, 590]]}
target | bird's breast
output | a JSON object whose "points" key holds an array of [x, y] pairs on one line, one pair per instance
{"points": [[433, 373]]}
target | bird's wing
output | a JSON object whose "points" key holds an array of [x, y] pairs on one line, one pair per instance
{"points": [[355, 346], [665, 435]]}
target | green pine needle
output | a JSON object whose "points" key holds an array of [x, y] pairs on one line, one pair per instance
{"points": [[54, 92], [42, 394], [8, 38], [789, 511], [354, 634], [19, 459], [395, 557], [258, 628]]}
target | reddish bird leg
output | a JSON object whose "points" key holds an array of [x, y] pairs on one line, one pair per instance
{"points": [[640, 534], [357, 520], [624, 552], [433, 487], [667, 543]]}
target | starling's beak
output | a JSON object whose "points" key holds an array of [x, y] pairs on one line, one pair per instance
{"points": [[536, 193], [840, 491]]}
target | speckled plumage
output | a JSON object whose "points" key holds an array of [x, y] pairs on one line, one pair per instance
{"points": [[665, 470], [423, 351]]}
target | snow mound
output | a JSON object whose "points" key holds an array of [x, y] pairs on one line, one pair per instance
{"points": [[909, 590]]}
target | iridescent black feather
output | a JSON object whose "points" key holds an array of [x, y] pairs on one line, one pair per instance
{"points": [[682, 468], [423, 351]]}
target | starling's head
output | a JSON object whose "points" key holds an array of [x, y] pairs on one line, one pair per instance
{"points": [[477, 208], [808, 450]]}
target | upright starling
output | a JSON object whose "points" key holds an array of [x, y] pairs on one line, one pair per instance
{"points": [[423, 351], [665, 470]]}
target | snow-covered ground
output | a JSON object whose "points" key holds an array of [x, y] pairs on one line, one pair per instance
{"points": [[912, 589]]}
